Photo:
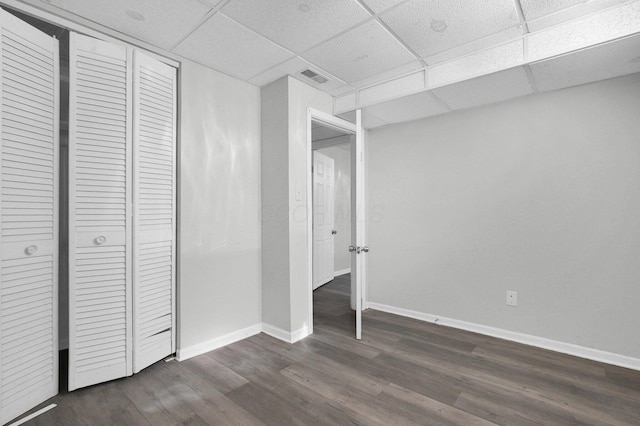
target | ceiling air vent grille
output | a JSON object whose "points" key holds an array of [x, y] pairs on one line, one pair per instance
{"points": [[314, 76]]}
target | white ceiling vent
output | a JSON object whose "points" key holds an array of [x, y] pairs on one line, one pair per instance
{"points": [[314, 76]]}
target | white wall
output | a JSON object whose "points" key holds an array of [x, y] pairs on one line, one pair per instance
{"points": [[540, 195], [276, 306], [219, 216], [342, 219], [285, 234], [301, 97]]}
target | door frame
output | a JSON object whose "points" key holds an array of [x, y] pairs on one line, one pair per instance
{"points": [[336, 123]]}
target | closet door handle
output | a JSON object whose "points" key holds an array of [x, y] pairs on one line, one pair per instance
{"points": [[31, 250], [100, 240]]}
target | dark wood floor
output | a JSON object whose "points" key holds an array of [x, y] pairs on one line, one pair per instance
{"points": [[403, 372]]}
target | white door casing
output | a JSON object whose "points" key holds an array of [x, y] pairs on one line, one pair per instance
{"points": [[100, 288], [29, 89], [154, 227], [323, 218], [358, 278]]}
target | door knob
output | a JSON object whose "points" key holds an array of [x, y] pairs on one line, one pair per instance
{"points": [[334, 232], [31, 250], [365, 249], [352, 249]]}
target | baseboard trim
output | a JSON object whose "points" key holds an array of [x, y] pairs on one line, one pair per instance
{"points": [[285, 336], [342, 272], [527, 339], [218, 342]]}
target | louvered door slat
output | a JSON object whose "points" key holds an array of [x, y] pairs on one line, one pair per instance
{"points": [[100, 228], [154, 213], [28, 217]]}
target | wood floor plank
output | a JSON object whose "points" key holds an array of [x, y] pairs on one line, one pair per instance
{"points": [[403, 371]]}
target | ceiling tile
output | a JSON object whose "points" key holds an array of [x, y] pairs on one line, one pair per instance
{"points": [[408, 108], [226, 46], [159, 22], [597, 63], [430, 27], [297, 25], [562, 11], [293, 67], [475, 46], [488, 89], [360, 53], [395, 72], [533, 9], [341, 90], [381, 5], [486, 61]]}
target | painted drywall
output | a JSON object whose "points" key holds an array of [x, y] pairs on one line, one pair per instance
{"points": [[539, 195], [342, 205], [219, 215], [286, 290], [301, 97], [276, 304]]}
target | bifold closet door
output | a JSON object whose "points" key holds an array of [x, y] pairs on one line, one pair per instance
{"points": [[154, 226], [100, 338], [29, 217]]}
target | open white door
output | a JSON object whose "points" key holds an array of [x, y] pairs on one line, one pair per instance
{"points": [[28, 216], [323, 219], [357, 248]]}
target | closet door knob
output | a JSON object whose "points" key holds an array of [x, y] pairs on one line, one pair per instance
{"points": [[31, 250], [100, 240]]}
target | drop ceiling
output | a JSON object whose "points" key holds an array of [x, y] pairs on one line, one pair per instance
{"points": [[398, 60]]}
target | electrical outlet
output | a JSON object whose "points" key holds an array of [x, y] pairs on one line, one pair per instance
{"points": [[512, 298]]}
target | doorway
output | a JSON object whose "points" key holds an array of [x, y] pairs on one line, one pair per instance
{"points": [[329, 136], [331, 173]]}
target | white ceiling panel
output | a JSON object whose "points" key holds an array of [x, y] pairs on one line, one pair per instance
{"points": [[431, 27], [226, 46], [378, 6], [533, 9], [597, 63], [581, 8], [341, 90], [360, 53], [159, 22], [404, 69], [488, 89], [293, 67], [408, 108], [297, 25]]}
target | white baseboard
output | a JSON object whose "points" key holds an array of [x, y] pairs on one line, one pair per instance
{"points": [[286, 336], [227, 339], [342, 272], [527, 339]]}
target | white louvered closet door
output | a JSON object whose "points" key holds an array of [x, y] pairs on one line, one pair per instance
{"points": [[29, 217], [154, 210], [99, 212]]}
